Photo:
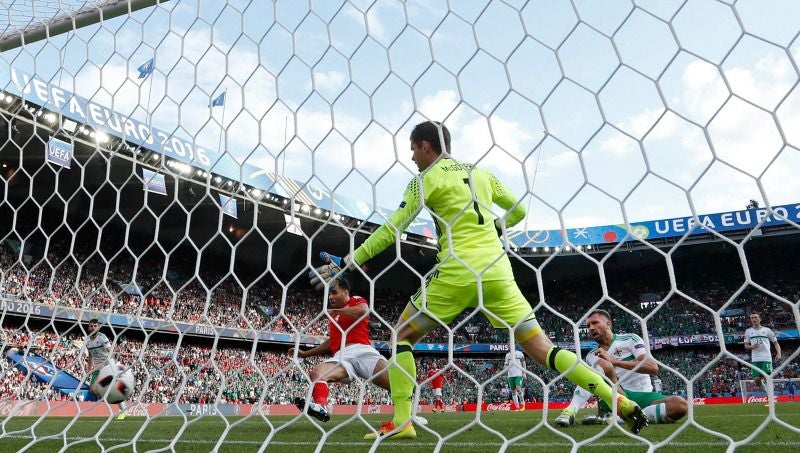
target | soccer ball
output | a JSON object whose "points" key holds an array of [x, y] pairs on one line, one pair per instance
{"points": [[115, 383]]}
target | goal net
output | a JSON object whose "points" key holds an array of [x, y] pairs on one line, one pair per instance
{"points": [[173, 170], [784, 390]]}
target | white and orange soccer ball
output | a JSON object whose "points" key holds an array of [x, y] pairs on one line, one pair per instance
{"points": [[115, 383]]}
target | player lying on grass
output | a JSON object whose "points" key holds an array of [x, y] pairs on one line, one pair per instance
{"points": [[353, 357], [623, 358], [472, 266]]}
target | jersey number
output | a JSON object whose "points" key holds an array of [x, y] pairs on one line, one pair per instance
{"points": [[474, 202]]}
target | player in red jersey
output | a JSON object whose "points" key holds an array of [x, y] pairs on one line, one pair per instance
{"points": [[353, 357], [437, 383]]}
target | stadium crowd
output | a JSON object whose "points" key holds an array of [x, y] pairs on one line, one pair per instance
{"points": [[269, 307], [194, 373]]}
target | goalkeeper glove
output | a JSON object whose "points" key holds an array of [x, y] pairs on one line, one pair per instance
{"points": [[334, 267]]}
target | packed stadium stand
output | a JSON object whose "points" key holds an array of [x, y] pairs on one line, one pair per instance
{"points": [[192, 372]]}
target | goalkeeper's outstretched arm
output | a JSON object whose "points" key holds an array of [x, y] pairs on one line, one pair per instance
{"points": [[387, 233]]}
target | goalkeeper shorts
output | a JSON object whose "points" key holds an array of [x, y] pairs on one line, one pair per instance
{"points": [[503, 304]]}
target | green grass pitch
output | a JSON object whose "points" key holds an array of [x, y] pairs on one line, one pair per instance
{"points": [[345, 433]]}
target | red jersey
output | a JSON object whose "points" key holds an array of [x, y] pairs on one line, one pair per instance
{"points": [[438, 381], [340, 323]]}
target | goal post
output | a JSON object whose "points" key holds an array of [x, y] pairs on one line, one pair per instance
{"points": [[784, 390]]}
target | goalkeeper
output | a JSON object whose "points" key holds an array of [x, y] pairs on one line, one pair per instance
{"points": [[471, 259]]}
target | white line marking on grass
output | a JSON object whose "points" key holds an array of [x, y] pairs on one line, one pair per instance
{"points": [[418, 444]]}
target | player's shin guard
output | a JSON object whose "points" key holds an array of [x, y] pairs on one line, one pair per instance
{"points": [[657, 413], [402, 385], [320, 393], [561, 360]]}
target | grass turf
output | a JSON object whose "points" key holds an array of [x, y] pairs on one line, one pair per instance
{"points": [[291, 434]]}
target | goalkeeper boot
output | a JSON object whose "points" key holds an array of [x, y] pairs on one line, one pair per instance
{"points": [[633, 415], [567, 418], [389, 431], [123, 412], [315, 410]]}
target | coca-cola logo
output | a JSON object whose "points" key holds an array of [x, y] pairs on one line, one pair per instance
{"points": [[699, 401], [590, 405], [450, 408], [137, 411], [17, 408], [373, 409], [756, 399], [498, 407]]}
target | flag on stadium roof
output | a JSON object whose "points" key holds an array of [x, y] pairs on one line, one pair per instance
{"points": [[59, 152], [147, 68], [293, 224], [154, 182], [218, 101], [228, 206]]}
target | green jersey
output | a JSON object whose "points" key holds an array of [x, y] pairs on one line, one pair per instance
{"points": [[459, 197]]}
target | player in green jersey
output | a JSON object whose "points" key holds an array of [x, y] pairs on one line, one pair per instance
{"points": [[472, 267]]}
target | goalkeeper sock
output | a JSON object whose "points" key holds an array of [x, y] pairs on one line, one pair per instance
{"points": [[320, 393], [561, 360], [657, 413], [402, 385]]}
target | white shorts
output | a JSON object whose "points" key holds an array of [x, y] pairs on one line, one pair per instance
{"points": [[437, 392], [358, 360]]}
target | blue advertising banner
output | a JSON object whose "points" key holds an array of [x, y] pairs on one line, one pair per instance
{"points": [[59, 152], [658, 229], [45, 371]]}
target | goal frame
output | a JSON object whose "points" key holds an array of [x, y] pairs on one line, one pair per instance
{"points": [[770, 383], [72, 21]]}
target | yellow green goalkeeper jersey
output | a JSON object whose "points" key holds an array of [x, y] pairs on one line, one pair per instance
{"points": [[468, 242]]}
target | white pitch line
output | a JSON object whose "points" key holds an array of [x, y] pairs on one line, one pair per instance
{"points": [[485, 419], [421, 444]]}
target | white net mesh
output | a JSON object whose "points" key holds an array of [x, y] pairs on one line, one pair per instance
{"points": [[654, 146], [21, 15], [27, 21]]}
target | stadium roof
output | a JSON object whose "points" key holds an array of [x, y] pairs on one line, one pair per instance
{"points": [[67, 113]]}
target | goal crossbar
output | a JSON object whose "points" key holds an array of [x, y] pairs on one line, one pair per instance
{"points": [[38, 29]]}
